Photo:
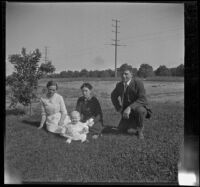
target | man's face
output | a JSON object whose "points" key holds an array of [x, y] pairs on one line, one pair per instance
{"points": [[126, 75]]}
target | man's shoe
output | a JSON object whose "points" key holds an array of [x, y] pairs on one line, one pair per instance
{"points": [[132, 131], [95, 136]]}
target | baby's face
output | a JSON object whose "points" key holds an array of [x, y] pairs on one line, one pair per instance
{"points": [[75, 118]]}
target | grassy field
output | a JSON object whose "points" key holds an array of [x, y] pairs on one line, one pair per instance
{"points": [[153, 78], [39, 156]]}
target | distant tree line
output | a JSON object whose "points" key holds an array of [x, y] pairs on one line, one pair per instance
{"points": [[144, 71], [23, 82]]}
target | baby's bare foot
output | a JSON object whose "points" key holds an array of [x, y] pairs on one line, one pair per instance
{"points": [[68, 141]]}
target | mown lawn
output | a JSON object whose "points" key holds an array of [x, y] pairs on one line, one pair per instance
{"points": [[39, 156]]}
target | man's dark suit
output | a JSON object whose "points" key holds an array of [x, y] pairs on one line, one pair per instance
{"points": [[133, 96]]}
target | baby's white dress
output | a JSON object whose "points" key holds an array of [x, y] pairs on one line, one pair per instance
{"points": [[76, 131], [52, 109]]}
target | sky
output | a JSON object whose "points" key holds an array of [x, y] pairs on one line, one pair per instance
{"points": [[78, 35]]}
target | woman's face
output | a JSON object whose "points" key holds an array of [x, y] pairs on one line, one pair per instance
{"points": [[86, 92], [51, 90]]}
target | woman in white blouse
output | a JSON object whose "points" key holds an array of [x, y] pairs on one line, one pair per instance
{"points": [[53, 109]]}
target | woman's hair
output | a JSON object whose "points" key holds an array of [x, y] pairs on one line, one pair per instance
{"points": [[52, 83], [87, 85]]}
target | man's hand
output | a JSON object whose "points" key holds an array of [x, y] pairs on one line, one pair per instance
{"points": [[126, 113]]}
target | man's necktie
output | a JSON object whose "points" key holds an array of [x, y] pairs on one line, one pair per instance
{"points": [[125, 86]]}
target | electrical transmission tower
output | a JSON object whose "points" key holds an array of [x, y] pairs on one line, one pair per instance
{"points": [[116, 42]]}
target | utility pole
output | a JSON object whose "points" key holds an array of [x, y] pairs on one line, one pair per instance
{"points": [[45, 57], [116, 44]]}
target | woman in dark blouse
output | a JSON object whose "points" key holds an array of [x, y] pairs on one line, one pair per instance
{"points": [[89, 107]]}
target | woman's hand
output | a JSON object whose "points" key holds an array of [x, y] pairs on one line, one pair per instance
{"points": [[42, 122], [90, 122], [62, 119], [126, 113], [60, 123], [41, 125], [84, 131]]}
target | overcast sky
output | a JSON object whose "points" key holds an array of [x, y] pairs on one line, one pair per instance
{"points": [[76, 34]]}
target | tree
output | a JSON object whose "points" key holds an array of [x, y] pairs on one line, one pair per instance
{"points": [[63, 74], [76, 74], [177, 71], [180, 70], [84, 73], [145, 70], [104, 73], [10, 79], [134, 71], [24, 81], [69, 74], [94, 73], [162, 71], [111, 73], [47, 68], [173, 71]]}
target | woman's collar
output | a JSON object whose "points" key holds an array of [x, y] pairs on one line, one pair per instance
{"points": [[87, 99], [51, 96]]}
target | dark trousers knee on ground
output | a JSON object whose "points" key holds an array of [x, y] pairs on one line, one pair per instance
{"points": [[135, 121]]}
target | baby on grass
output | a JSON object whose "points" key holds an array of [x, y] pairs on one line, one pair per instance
{"points": [[76, 130]]}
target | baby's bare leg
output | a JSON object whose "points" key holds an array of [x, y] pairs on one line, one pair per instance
{"points": [[83, 137]]}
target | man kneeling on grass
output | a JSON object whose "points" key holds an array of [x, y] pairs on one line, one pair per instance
{"points": [[76, 130], [133, 106]]}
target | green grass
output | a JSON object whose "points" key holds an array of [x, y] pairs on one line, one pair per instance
{"points": [[154, 78], [40, 156]]}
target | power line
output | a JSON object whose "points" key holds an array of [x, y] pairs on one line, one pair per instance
{"points": [[136, 40], [156, 33], [116, 42]]}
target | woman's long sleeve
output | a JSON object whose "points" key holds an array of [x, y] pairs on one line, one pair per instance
{"points": [[98, 115], [78, 106], [63, 109], [43, 112]]}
